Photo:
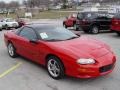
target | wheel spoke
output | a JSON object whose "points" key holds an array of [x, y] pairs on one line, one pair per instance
{"points": [[53, 68], [10, 50]]}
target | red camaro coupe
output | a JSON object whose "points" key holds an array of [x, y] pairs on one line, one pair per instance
{"points": [[61, 51]]}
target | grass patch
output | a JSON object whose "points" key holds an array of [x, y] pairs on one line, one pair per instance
{"points": [[51, 15], [42, 15]]}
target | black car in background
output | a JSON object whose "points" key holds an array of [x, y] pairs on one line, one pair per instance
{"points": [[93, 22]]}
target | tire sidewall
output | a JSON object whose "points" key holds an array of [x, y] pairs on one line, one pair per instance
{"points": [[93, 28], [61, 66], [118, 33], [6, 27], [75, 27], [64, 25], [14, 52]]}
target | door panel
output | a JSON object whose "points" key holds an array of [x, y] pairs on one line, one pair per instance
{"points": [[24, 46], [104, 22], [27, 49]]}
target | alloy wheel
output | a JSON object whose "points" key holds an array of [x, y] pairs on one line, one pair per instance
{"points": [[53, 68], [95, 30], [11, 49]]}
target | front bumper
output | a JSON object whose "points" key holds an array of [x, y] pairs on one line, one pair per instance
{"points": [[106, 66], [95, 72]]}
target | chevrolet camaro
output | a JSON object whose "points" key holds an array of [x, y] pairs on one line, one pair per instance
{"points": [[61, 51]]}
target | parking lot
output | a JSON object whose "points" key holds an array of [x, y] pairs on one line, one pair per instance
{"points": [[21, 74]]}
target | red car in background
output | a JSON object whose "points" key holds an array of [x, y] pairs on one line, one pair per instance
{"points": [[61, 51], [70, 21], [21, 22], [115, 26]]}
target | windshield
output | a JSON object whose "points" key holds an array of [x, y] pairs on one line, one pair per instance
{"points": [[56, 34]]}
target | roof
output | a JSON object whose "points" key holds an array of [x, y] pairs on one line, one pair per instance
{"points": [[41, 25]]}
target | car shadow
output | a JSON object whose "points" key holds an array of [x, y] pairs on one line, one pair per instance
{"points": [[31, 62], [90, 81], [115, 36]]}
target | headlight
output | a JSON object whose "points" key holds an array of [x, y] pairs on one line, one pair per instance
{"points": [[85, 61]]}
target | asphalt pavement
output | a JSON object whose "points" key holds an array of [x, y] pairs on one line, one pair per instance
{"points": [[31, 76]]}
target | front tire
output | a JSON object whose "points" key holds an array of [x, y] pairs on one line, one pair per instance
{"points": [[55, 68], [11, 50], [6, 27], [94, 29]]}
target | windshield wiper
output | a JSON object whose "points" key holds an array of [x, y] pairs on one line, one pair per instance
{"points": [[54, 40], [72, 38]]}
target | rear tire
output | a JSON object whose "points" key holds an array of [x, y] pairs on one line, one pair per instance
{"points": [[64, 25], [118, 33], [94, 30], [55, 67], [11, 50], [75, 27]]}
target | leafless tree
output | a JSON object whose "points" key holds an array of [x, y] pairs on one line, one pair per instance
{"points": [[35, 3], [13, 5], [2, 5]]}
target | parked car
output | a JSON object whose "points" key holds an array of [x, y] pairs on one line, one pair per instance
{"points": [[70, 21], [61, 51], [8, 23], [93, 22], [115, 26], [21, 22]]}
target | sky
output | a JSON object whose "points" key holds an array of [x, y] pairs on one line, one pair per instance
{"points": [[10, 0]]}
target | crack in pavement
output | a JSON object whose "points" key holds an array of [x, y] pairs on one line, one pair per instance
{"points": [[52, 87]]}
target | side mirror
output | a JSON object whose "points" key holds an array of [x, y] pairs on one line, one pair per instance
{"points": [[78, 34], [34, 41]]}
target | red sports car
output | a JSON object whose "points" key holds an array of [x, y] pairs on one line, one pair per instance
{"points": [[70, 21], [115, 26], [61, 51]]}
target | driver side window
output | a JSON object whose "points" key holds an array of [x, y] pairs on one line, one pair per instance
{"points": [[28, 33]]}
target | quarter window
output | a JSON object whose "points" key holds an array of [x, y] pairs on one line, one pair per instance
{"points": [[28, 33]]}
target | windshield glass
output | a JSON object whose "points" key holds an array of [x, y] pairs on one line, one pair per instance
{"points": [[87, 15], [56, 34]]}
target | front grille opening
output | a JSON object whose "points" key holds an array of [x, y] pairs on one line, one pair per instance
{"points": [[106, 68]]}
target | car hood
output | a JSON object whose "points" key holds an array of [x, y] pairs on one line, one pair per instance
{"points": [[83, 47]]}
